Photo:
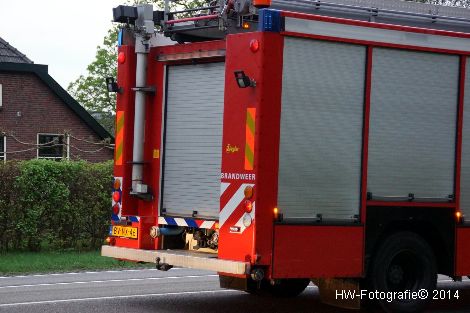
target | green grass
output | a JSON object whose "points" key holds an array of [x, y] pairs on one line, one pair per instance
{"points": [[15, 263]]}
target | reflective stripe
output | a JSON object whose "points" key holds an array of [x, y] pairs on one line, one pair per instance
{"points": [[119, 137], [233, 204], [250, 138]]}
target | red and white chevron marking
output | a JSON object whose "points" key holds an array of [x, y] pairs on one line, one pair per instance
{"points": [[232, 195]]}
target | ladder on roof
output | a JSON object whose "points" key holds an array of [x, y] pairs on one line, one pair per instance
{"points": [[221, 17]]}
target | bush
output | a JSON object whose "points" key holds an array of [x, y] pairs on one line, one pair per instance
{"points": [[54, 205]]}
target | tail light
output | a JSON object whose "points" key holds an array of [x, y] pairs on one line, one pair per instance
{"points": [[254, 45], [116, 209], [248, 206], [116, 196]]}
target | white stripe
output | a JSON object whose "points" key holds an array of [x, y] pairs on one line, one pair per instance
{"points": [[106, 281], [233, 204], [223, 187], [124, 297], [240, 221], [181, 222], [207, 224], [162, 221]]}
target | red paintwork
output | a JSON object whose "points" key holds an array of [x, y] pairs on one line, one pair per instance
{"points": [[376, 44], [463, 252], [285, 251], [125, 102], [346, 21], [265, 66], [318, 251], [458, 161]]}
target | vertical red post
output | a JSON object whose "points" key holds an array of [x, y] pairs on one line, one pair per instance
{"points": [[365, 135]]}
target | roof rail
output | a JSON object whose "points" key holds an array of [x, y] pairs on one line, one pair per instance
{"points": [[221, 17]]}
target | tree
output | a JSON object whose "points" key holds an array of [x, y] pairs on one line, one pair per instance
{"points": [[90, 89], [454, 3]]}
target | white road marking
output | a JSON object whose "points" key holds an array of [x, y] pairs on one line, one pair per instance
{"points": [[89, 272], [105, 281], [122, 297]]}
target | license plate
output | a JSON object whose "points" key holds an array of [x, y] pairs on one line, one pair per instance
{"points": [[127, 232]]}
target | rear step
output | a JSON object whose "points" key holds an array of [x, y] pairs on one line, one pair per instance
{"points": [[180, 258]]}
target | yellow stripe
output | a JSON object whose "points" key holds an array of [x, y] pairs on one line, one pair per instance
{"points": [[119, 137], [250, 139]]}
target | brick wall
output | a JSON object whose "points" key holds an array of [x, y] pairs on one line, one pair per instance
{"points": [[30, 107]]}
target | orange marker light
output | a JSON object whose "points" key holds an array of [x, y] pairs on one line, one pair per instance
{"points": [[248, 192], [117, 184], [458, 216], [121, 57], [216, 226], [276, 213], [262, 3], [246, 25], [254, 45]]}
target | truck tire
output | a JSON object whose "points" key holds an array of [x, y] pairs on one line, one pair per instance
{"points": [[286, 288], [404, 262]]}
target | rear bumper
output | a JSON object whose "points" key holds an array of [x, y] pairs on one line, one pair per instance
{"points": [[180, 258]]}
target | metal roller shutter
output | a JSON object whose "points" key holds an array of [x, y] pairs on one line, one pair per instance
{"points": [[412, 124], [321, 129], [465, 171], [193, 140]]}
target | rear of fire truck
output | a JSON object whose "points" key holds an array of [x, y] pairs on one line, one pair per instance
{"points": [[175, 193], [259, 139]]}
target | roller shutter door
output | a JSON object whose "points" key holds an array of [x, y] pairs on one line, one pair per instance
{"points": [[321, 130], [193, 140], [412, 124]]}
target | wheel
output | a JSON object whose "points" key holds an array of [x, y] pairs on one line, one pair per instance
{"points": [[286, 288], [404, 262]]}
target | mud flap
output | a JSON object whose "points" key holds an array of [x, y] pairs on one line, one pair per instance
{"points": [[341, 293]]}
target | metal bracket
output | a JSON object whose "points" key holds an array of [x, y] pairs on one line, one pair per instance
{"points": [[148, 89]]}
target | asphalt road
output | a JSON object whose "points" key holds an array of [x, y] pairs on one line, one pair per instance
{"points": [[179, 290]]}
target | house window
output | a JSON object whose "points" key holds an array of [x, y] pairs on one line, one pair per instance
{"points": [[1, 96], [3, 148], [52, 146]]}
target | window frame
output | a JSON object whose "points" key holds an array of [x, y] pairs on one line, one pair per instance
{"points": [[3, 155], [65, 141]]}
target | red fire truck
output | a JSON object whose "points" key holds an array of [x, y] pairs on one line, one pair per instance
{"points": [[279, 142]]}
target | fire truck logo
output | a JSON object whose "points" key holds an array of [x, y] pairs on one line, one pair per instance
{"points": [[231, 149]]}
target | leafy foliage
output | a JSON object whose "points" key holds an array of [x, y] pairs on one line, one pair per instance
{"points": [[90, 89], [54, 205]]}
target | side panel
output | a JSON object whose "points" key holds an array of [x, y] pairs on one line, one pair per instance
{"points": [[317, 251], [193, 140], [321, 129], [463, 252], [413, 118], [465, 163]]}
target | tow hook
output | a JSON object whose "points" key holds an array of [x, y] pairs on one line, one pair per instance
{"points": [[257, 274], [163, 266]]}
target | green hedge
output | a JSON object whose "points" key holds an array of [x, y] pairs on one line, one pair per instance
{"points": [[52, 205]]}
